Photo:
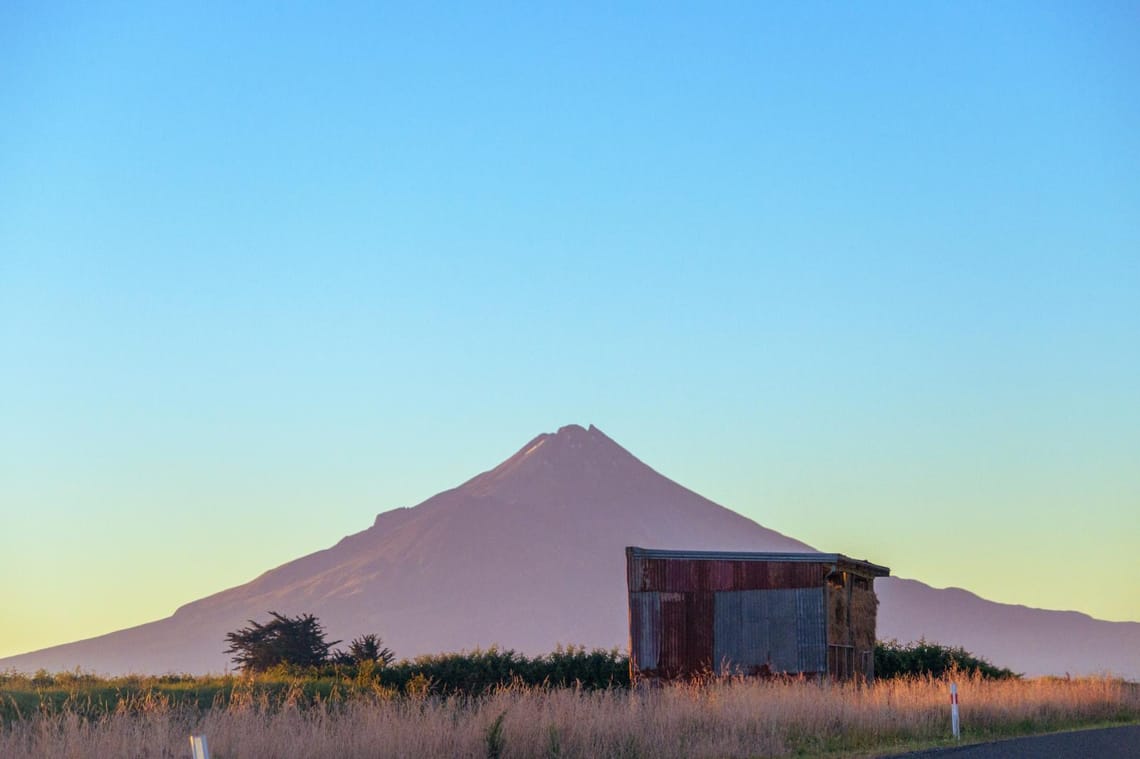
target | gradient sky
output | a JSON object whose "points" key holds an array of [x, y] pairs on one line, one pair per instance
{"points": [[867, 273]]}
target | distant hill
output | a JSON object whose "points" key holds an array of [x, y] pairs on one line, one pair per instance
{"points": [[531, 553]]}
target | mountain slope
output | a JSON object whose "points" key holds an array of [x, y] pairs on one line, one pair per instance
{"points": [[1032, 641], [530, 554]]}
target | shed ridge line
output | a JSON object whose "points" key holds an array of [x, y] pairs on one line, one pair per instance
{"points": [[839, 559]]}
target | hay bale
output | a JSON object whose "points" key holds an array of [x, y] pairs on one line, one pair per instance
{"points": [[864, 610]]}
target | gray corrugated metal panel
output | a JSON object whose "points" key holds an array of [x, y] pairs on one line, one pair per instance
{"points": [[740, 631], [783, 640], [728, 633], [645, 629], [829, 558], [782, 630], [811, 629]]}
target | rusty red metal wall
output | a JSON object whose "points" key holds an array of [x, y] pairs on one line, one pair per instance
{"points": [[772, 610], [698, 575], [672, 606]]}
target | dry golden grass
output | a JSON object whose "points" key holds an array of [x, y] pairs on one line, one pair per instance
{"points": [[715, 719]]}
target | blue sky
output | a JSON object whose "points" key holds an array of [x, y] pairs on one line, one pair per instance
{"points": [[867, 274]]}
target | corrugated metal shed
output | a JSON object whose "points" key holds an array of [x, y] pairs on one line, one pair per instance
{"points": [[745, 613]]}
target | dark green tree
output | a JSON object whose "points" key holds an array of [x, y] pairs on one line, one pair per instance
{"points": [[368, 648], [296, 640]]}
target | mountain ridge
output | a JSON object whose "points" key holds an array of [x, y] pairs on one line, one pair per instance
{"points": [[530, 553]]}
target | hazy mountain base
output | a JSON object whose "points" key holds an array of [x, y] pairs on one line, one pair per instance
{"points": [[531, 553]]}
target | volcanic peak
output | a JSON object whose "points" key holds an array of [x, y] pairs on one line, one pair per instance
{"points": [[571, 455]]}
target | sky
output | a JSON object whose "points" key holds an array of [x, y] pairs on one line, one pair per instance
{"points": [[866, 273]]}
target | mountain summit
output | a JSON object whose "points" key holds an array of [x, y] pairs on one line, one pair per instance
{"points": [[530, 554], [572, 461]]}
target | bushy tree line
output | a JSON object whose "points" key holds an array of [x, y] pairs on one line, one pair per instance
{"points": [[299, 644], [479, 671], [894, 659]]}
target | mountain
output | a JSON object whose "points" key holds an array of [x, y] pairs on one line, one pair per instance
{"points": [[530, 554]]}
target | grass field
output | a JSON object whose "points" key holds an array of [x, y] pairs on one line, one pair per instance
{"points": [[278, 716]]}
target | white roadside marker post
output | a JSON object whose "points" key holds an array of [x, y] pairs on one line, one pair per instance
{"points": [[954, 711], [198, 747]]}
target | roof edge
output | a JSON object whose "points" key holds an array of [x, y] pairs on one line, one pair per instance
{"points": [[875, 570]]}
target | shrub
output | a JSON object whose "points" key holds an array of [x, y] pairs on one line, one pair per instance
{"points": [[894, 659], [366, 648]]}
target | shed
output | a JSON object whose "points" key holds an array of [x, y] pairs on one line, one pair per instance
{"points": [[750, 613]]}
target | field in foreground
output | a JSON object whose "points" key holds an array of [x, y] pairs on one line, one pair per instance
{"points": [[723, 718]]}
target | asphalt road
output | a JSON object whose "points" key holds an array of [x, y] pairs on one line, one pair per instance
{"points": [[1106, 743]]}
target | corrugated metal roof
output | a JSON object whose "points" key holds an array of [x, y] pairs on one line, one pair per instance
{"points": [[847, 562]]}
